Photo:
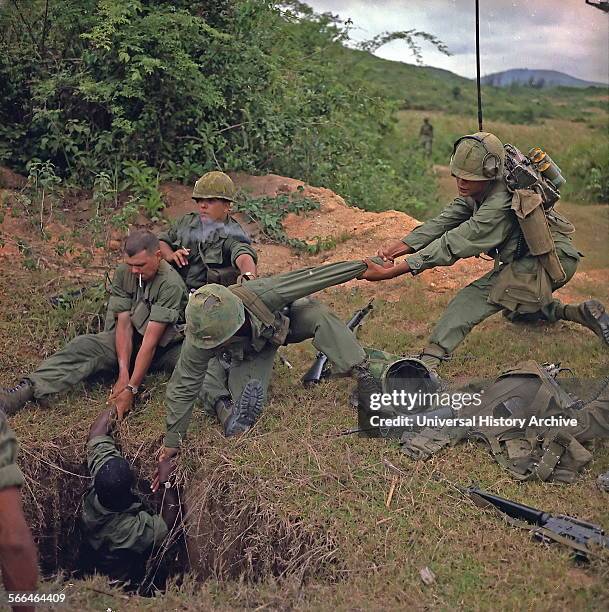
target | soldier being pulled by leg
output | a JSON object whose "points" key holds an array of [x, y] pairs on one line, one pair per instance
{"points": [[145, 308], [488, 217], [232, 336]]}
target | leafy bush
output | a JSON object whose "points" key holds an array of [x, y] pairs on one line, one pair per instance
{"points": [[178, 88], [268, 213]]}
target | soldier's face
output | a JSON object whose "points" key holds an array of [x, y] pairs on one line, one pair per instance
{"points": [[144, 263], [213, 209], [472, 189]]}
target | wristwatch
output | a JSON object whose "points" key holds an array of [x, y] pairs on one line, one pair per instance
{"points": [[248, 275], [133, 389]]}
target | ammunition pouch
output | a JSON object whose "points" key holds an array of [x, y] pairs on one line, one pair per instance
{"points": [[531, 215], [226, 275], [520, 290]]}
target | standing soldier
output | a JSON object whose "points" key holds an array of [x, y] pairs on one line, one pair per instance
{"points": [[209, 246], [232, 336], [143, 331], [426, 136], [481, 220], [18, 558]]}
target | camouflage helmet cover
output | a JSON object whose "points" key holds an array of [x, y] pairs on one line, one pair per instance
{"points": [[215, 185], [478, 157], [213, 315]]}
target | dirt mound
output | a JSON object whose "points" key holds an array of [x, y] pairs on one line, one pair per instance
{"points": [[336, 232], [349, 232]]}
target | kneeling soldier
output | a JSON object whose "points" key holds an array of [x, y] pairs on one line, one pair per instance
{"points": [[232, 336]]}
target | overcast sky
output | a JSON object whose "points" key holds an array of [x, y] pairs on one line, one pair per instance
{"points": [[565, 35]]}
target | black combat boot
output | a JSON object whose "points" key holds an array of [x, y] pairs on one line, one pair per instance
{"points": [[366, 384], [16, 397], [238, 418], [590, 314]]}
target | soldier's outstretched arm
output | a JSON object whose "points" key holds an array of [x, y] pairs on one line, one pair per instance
{"points": [[451, 216], [123, 342], [183, 390], [486, 229]]}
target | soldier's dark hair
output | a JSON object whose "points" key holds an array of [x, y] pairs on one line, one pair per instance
{"points": [[113, 483], [141, 240]]}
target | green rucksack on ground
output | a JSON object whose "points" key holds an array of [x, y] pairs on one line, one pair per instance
{"points": [[533, 451]]}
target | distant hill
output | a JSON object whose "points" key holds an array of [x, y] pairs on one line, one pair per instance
{"points": [[536, 78], [433, 89]]}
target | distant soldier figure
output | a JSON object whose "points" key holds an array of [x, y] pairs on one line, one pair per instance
{"points": [[482, 220], [18, 557], [142, 332], [209, 246], [426, 136], [119, 533]]}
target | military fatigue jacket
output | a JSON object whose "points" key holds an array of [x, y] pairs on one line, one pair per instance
{"points": [[211, 245], [162, 299], [276, 292], [467, 229], [133, 529], [426, 130], [10, 474]]}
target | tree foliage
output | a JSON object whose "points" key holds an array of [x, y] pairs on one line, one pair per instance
{"points": [[185, 87]]}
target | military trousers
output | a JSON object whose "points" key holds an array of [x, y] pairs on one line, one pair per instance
{"points": [[90, 354], [426, 145], [227, 376], [471, 305]]}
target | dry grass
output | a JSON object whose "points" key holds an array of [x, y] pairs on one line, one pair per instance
{"points": [[293, 516]]}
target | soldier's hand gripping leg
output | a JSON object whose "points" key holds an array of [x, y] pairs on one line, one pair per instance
{"points": [[240, 416]]}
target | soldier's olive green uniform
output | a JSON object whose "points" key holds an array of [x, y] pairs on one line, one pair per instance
{"points": [[228, 369], [426, 137], [213, 247], [117, 537], [10, 474], [466, 229], [162, 300]]}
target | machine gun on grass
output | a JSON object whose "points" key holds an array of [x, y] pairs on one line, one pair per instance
{"points": [[581, 536]]}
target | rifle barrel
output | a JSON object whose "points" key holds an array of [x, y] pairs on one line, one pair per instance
{"points": [[513, 509]]}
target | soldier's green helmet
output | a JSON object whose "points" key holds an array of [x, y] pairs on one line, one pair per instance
{"points": [[215, 185], [478, 157], [213, 315]]}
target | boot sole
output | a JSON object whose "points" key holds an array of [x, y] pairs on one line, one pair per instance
{"points": [[596, 311], [248, 410]]}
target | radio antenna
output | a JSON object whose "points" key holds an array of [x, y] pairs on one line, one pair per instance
{"points": [[478, 65]]}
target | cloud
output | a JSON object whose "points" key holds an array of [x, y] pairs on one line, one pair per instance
{"points": [[565, 35]]}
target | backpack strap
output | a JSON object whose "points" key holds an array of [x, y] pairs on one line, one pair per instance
{"points": [[254, 304], [276, 325]]}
